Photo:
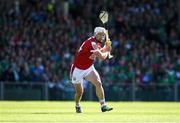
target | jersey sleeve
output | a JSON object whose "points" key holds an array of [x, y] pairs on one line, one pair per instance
{"points": [[94, 46], [99, 45]]}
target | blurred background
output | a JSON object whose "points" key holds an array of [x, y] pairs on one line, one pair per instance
{"points": [[39, 40]]}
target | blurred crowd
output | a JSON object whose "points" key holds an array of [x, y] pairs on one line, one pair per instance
{"points": [[39, 40]]}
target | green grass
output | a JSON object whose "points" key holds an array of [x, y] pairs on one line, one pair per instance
{"points": [[124, 112]]}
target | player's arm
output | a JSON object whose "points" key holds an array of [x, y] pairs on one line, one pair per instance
{"points": [[99, 53], [107, 47]]}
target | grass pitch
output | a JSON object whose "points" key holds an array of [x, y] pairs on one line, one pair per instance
{"points": [[124, 112]]}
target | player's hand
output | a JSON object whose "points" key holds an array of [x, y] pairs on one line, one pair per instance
{"points": [[108, 44]]}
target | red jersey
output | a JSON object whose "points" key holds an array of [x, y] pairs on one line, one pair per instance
{"points": [[82, 60]]}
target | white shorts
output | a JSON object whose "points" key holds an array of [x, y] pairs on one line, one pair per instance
{"points": [[77, 75]]}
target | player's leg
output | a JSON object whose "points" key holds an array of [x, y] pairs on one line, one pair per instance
{"points": [[78, 95], [77, 79], [94, 78]]}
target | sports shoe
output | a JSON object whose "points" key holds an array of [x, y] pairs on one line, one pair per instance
{"points": [[106, 108], [78, 110]]}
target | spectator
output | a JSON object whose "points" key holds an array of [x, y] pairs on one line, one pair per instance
{"points": [[37, 43]]}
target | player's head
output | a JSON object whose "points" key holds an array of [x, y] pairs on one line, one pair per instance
{"points": [[100, 34]]}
